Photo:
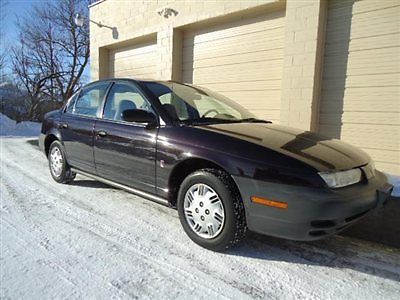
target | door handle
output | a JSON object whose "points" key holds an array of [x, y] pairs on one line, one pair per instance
{"points": [[64, 125], [101, 133]]}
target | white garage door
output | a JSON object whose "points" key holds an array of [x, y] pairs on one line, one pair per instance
{"points": [[241, 59], [134, 61], [361, 83]]}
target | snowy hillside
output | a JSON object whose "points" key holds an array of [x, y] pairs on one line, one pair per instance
{"points": [[9, 127]]}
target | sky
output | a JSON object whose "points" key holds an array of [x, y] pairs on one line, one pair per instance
{"points": [[13, 9]]}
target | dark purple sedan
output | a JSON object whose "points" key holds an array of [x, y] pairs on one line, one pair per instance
{"points": [[224, 170]]}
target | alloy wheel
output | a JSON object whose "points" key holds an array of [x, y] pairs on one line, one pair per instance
{"points": [[204, 211], [56, 161]]}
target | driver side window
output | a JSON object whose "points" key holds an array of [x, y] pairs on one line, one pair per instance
{"points": [[124, 96]]}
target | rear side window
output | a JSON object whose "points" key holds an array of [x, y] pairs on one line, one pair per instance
{"points": [[90, 100]]}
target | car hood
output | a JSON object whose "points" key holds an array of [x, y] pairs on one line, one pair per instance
{"points": [[320, 152]]}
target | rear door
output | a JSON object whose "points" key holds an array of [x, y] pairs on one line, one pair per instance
{"points": [[77, 126], [125, 152]]}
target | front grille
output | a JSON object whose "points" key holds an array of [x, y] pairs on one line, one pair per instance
{"points": [[323, 223]]}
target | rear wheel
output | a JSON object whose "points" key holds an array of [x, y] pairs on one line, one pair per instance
{"points": [[59, 168], [211, 210]]}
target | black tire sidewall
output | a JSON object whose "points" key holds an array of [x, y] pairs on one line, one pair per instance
{"points": [[65, 168], [227, 235]]}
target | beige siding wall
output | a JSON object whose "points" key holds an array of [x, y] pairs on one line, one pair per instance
{"points": [[249, 54], [360, 100]]}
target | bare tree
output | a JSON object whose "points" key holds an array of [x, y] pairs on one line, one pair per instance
{"points": [[52, 53], [3, 48]]}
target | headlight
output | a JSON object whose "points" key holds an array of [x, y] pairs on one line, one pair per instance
{"points": [[341, 179]]}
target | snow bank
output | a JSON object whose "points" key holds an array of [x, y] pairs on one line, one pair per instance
{"points": [[395, 180], [9, 127]]}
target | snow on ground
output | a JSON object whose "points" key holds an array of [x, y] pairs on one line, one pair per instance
{"points": [[9, 127], [88, 240]]}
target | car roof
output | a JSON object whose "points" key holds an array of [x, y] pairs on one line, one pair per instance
{"points": [[130, 79]]}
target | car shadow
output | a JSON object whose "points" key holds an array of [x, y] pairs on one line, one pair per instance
{"points": [[91, 183], [336, 252], [34, 143]]}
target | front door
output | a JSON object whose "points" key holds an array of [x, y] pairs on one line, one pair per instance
{"points": [[125, 152], [77, 126]]}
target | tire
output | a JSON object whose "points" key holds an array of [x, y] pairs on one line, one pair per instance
{"points": [[198, 206], [59, 168]]}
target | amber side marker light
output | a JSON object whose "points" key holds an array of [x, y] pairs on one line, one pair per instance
{"points": [[268, 202]]}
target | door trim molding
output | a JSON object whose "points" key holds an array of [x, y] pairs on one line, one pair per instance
{"points": [[124, 187]]}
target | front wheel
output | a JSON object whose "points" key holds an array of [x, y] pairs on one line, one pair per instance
{"points": [[59, 168], [211, 210]]}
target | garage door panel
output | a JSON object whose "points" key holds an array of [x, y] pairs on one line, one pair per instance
{"points": [[276, 34], [268, 22], [384, 156], [362, 99], [389, 168], [129, 74], [267, 114], [370, 136], [364, 117], [366, 43], [272, 57], [378, 57], [374, 28], [134, 61], [242, 59], [227, 34], [358, 6], [384, 80], [364, 13], [266, 69], [367, 140], [361, 80], [244, 86], [134, 50], [251, 97], [236, 47]]}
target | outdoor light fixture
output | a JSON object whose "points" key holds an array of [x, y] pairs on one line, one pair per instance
{"points": [[79, 20], [167, 12]]}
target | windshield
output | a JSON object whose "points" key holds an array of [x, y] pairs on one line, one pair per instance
{"points": [[191, 104]]}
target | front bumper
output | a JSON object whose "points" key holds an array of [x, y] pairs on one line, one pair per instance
{"points": [[312, 213]]}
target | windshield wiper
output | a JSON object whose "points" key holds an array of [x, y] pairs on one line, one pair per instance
{"points": [[207, 121], [254, 120]]}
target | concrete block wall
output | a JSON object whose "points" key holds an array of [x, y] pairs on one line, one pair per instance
{"points": [[302, 73]]}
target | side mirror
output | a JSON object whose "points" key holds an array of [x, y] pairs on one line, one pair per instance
{"points": [[138, 116]]}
